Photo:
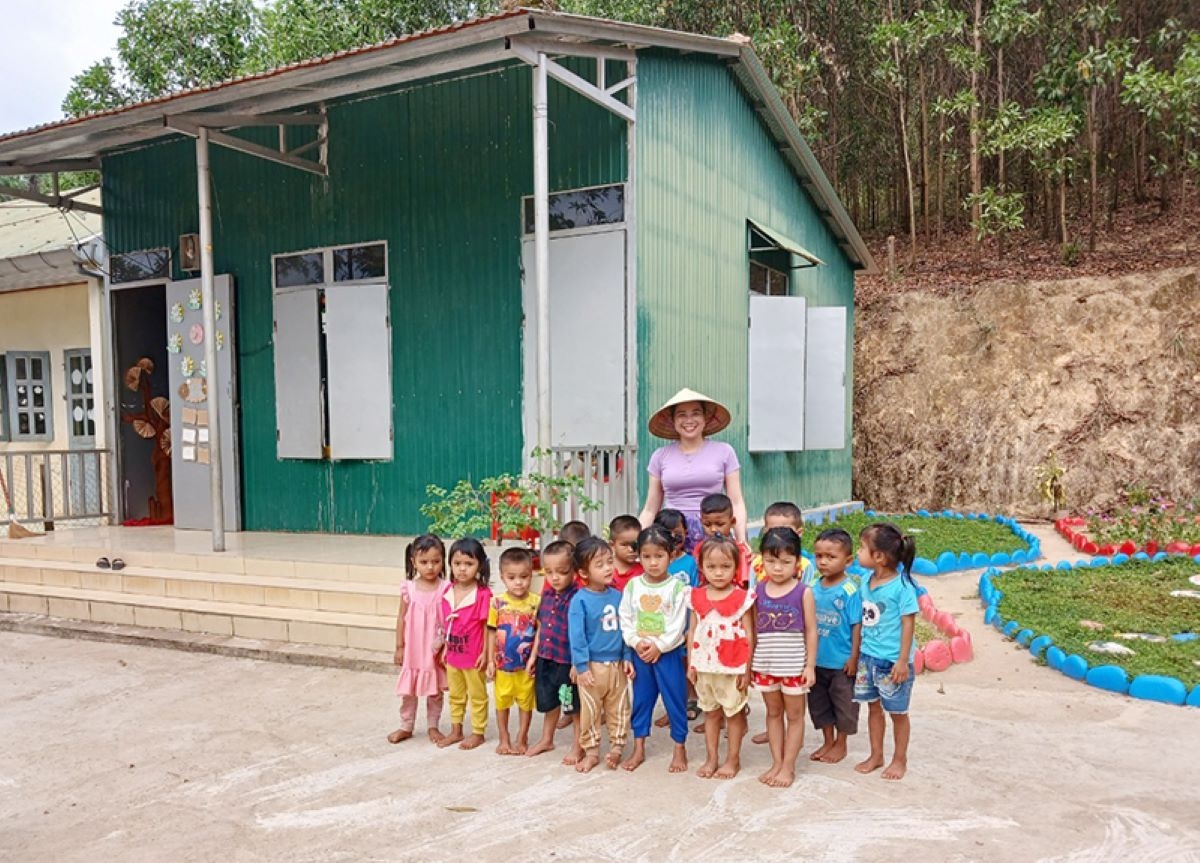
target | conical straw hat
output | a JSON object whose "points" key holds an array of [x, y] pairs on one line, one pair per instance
{"points": [[662, 424]]}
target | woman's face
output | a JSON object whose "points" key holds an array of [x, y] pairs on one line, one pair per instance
{"points": [[689, 420]]}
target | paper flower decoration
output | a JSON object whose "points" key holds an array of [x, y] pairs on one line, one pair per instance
{"points": [[187, 366], [175, 343], [194, 299], [220, 340], [177, 313], [196, 334], [203, 369], [216, 310]]}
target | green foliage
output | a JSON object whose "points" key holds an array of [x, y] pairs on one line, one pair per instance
{"points": [[515, 502], [1134, 597], [1049, 476], [1071, 254], [999, 212], [96, 88], [933, 535]]}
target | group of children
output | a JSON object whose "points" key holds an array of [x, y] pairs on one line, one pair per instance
{"points": [[621, 624]]}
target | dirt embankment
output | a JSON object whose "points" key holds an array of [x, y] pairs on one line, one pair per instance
{"points": [[959, 398]]}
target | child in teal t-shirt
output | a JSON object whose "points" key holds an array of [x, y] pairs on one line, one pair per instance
{"points": [[884, 679]]}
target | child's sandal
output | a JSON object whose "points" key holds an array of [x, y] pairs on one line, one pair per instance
{"points": [[693, 710]]}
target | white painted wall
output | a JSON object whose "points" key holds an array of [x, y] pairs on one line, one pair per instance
{"points": [[54, 320]]}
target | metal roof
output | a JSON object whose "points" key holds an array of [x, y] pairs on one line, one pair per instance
{"points": [[37, 243], [79, 142]]}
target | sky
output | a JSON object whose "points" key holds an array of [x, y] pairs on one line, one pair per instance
{"points": [[47, 43]]}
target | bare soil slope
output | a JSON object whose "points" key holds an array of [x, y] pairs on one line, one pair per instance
{"points": [[959, 397]]}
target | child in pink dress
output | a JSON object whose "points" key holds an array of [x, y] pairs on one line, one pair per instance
{"points": [[419, 637], [465, 606]]}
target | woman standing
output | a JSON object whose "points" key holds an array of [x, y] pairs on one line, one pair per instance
{"points": [[683, 472]]}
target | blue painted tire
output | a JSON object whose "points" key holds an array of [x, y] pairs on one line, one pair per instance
{"points": [[947, 561], [1012, 628], [1075, 667], [964, 560], [1040, 644], [1055, 657], [1158, 687], [1024, 637], [1020, 556], [924, 513], [990, 615], [1119, 558], [1193, 699], [980, 559], [924, 566], [1141, 555], [1000, 559], [1111, 678], [1064, 565]]}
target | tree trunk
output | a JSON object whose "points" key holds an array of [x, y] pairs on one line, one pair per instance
{"points": [[976, 178], [924, 152], [1001, 174], [941, 176], [1093, 156]]}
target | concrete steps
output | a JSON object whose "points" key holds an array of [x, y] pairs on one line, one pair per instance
{"points": [[333, 604]]}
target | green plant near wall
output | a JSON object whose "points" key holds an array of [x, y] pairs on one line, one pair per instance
{"points": [[1049, 476], [516, 504]]}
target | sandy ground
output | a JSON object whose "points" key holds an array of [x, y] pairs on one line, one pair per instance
{"points": [[127, 753]]}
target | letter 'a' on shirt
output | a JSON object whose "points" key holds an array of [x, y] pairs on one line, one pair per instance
{"points": [[595, 628]]}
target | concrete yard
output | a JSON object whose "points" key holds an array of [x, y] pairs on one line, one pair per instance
{"points": [[116, 752]]}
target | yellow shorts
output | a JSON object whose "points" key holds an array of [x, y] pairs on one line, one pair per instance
{"points": [[719, 692], [514, 687]]}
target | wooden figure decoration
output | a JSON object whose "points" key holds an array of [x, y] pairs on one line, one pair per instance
{"points": [[154, 422]]}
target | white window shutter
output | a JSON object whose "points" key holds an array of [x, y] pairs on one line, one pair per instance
{"points": [[825, 379], [358, 353], [298, 403], [777, 379]]}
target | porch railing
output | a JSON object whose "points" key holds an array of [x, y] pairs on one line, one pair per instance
{"points": [[609, 478], [59, 485]]}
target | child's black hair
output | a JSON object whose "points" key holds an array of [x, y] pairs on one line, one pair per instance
{"points": [[839, 536], [786, 509], [899, 548], [715, 503], [472, 547], [586, 551], [424, 542], [573, 532], [658, 536], [516, 556], [671, 519], [723, 543], [559, 546], [622, 523], [780, 540]]}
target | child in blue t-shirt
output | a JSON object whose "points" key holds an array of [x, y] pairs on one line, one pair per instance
{"points": [[831, 703], [683, 565], [889, 603]]}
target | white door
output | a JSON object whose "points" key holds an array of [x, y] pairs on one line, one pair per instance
{"points": [[587, 340]]}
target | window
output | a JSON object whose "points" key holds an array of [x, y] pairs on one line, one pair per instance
{"points": [[81, 403], [767, 281], [332, 344], [580, 208], [31, 415], [139, 266]]}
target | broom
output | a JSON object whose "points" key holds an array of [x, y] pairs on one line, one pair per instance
{"points": [[16, 530]]}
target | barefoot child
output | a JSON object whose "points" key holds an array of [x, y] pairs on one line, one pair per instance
{"points": [[785, 651], [511, 624], [465, 607], [419, 637], [551, 659], [720, 642], [884, 680], [653, 615], [623, 537], [831, 701], [599, 655]]}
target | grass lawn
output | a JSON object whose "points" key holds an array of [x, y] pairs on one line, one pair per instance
{"points": [[1134, 597], [933, 535]]}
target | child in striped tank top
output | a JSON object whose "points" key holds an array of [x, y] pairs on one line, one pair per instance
{"points": [[785, 651]]}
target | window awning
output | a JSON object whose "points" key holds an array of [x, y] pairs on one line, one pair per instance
{"points": [[770, 240]]}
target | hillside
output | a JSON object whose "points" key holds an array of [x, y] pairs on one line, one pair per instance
{"points": [[960, 394]]}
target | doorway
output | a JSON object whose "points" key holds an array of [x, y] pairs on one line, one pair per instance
{"points": [[139, 323]]}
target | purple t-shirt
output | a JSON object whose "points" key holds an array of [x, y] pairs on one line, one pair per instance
{"points": [[687, 478]]}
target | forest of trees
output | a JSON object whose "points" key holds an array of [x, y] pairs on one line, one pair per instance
{"points": [[931, 117]]}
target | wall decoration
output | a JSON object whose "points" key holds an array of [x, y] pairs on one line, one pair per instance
{"points": [[189, 435], [189, 416], [175, 343], [195, 299], [196, 334], [154, 421], [187, 366], [177, 313], [202, 454], [194, 390], [220, 340], [189, 453], [216, 310]]}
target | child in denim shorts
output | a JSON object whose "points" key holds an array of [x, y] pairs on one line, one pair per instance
{"points": [[885, 671]]}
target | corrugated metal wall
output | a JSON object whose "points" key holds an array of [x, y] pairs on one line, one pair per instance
{"points": [[705, 165], [438, 172]]}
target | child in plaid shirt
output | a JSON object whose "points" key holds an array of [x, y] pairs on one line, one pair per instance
{"points": [[550, 659]]}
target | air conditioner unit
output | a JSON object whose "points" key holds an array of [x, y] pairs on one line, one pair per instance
{"points": [[189, 252]]}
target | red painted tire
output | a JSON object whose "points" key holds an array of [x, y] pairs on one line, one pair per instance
{"points": [[1127, 547], [961, 649], [937, 656], [918, 661], [1090, 547]]}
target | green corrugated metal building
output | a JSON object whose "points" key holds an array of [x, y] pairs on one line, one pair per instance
{"points": [[382, 250]]}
